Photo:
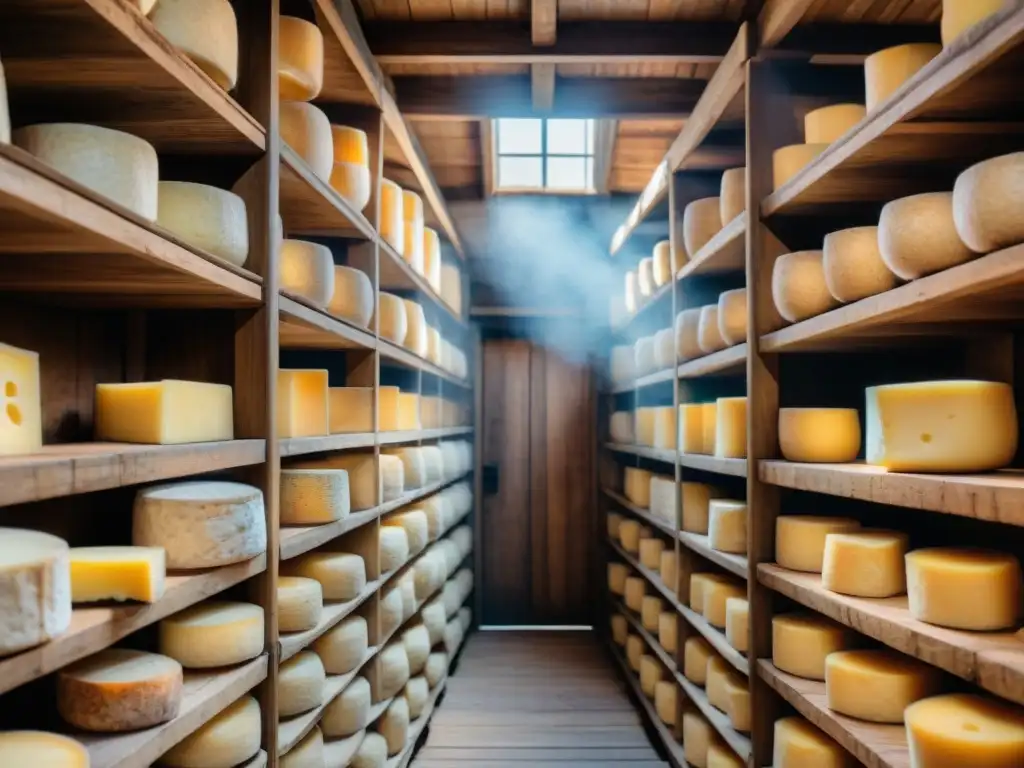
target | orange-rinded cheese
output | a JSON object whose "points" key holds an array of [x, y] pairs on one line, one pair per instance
{"points": [[964, 588], [666, 701], [887, 70], [798, 744], [306, 129], [699, 582], [720, 756], [650, 612], [960, 15], [959, 730], [664, 266], [300, 59], [819, 435], [668, 631], [801, 642], [691, 428], [799, 290], [709, 421], [709, 335], [696, 653], [877, 685], [620, 629], [853, 264], [617, 573], [164, 412], [698, 736], [637, 486], [307, 270], [636, 590], [664, 427], [350, 145], [651, 673], [917, 235], [733, 199], [826, 124], [800, 539], [687, 331], [302, 403], [737, 617], [732, 316], [650, 553], [702, 220], [731, 427], [206, 31], [787, 162], [715, 595], [669, 568], [353, 296], [866, 563], [634, 650], [392, 225], [727, 525]]}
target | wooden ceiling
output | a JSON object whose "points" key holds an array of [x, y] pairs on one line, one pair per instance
{"points": [[568, 10]]}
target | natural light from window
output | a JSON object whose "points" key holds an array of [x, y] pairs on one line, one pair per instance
{"points": [[544, 154]]}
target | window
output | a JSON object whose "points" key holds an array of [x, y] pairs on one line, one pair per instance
{"points": [[551, 154]]}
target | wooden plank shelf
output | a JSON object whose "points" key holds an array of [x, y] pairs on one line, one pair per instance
{"points": [[873, 744], [292, 730], [311, 206], [305, 327], [53, 77], [716, 638], [726, 362], [701, 545], [413, 436], [297, 446], [704, 463], [639, 512], [992, 660], [397, 274], [653, 578], [334, 612], [725, 252], [997, 497], [204, 694], [657, 454], [401, 356]]}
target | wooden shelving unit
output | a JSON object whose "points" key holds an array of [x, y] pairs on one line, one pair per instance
{"points": [[104, 295]]}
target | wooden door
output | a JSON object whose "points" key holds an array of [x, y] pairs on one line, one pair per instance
{"points": [[537, 528]]}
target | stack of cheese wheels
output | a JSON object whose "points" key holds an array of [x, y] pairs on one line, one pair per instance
{"points": [[702, 220], [645, 277], [307, 270], [205, 31], [886, 71], [799, 288], [350, 177], [392, 222], [801, 643], [432, 258], [117, 573], [210, 219], [412, 224], [35, 575]]}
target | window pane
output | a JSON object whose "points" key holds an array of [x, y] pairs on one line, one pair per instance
{"points": [[519, 172], [567, 173], [590, 136], [519, 136], [567, 137]]}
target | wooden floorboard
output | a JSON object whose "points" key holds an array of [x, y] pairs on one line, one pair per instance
{"points": [[536, 700]]}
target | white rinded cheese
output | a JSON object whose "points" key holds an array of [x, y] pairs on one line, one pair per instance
{"points": [[372, 753], [799, 289], [960, 15], [350, 145], [645, 359], [433, 346], [412, 240], [819, 435], [853, 265], [727, 526], [429, 574], [393, 670], [645, 277], [436, 508], [787, 162], [307, 270], [917, 235], [622, 367], [434, 463], [343, 647], [300, 684], [213, 634], [392, 478], [306, 129], [417, 647], [21, 430], [391, 611], [416, 693], [229, 738], [201, 523], [352, 182], [313, 496], [35, 588], [394, 322], [353, 296], [308, 753], [210, 219], [349, 711], [709, 336], [117, 165], [117, 573], [436, 669], [341, 575], [633, 298], [414, 523], [800, 539], [702, 220], [451, 287], [206, 31], [394, 725], [302, 403], [416, 328], [414, 473], [394, 547], [363, 477], [5, 116], [687, 329], [826, 124], [300, 603], [666, 263], [668, 630], [300, 59], [39, 748], [407, 588], [696, 653], [732, 316], [664, 349], [434, 619], [887, 70], [391, 225], [987, 203], [733, 197], [432, 259]]}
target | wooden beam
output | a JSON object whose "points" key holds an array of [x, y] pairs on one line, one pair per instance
{"points": [[543, 22], [580, 42], [542, 87], [605, 134], [777, 19], [473, 98], [488, 157]]}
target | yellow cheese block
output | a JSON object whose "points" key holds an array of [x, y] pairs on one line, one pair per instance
{"points": [[614, 521], [650, 612], [207, 218], [865, 563], [819, 435], [666, 701], [715, 595], [306, 129], [206, 31], [733, 198], [917, 235], [301, 682], [117, 573], [960, 15], [353, 296], [41, 749], [698, 736], [727, 525], [696, 653], [21, 426], [432, 258], [826, 124], [620, 629], [230, 738], [732, 316], [986, 201], [709, 422], [650, 553], [300, 59], [737, 626], [798, 744], [737, 701], [634, 650], [394, 322], [699, 584], [213, 634], [853, 265], [668, 569], [714, 685], [350, 409], [691, 428], [637, 485], [164, 412], [388, 404], [709, 336], [664, 349], [731, 428], [887, 70], [799, 290], [702, 220], [302, 404], [307, 270], [408, 411], [801, 642], [391, 225], [664, 427], [350, 145], [964, 588], [617, 573], [787, 162], [800, 539], [352, 182], [720, 756], [651, 673], [687, 331], [941, 426], [668, 631], [961, 729], [645, 277], [632, 295], [636, 590], [646, 361], [877, 685]]}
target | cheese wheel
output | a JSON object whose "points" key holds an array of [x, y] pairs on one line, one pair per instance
{"points": [[300, 59], [664, 428], [645, 426], [645, 357], [206, 31], [715, 595], [35, 588], [417, 647], [617, 573], [314, 496], [668, 630], [433, 461], [650, 553], [918, 236], [636, 590], [964, 588], [451, 287], [799, 744], [307, 269], [787, 162], [669, 568], [696, 653], [664, 349], [709, 337], [393, 670], [5, 117], [394, 726], [732, 316], [737, 617], [633, 297], [634, 651], [429, 574], [434, 619], [802, 642], [941, 426], [960, 15], [352, 299], [663, 267], [691, 428], [666, 701], [698, 583], [308, 753], [201, 523], [436, 669], [306, 129], [352, 182], [663, 500], [372, 752], [799, 289], [114, 164], [620, 629], [394, 548], [964, 730], [866, 563], [229, 738], [702, 220], [709, 422], [853, 265], [731, 427], [819, 435], [412, 244], [342, 576], [391, 611], [213, 634], [349, 711], [650, 612], [720, 756], [800, 539], [826, 124], [119, 690], [987, 203], [432, 258], [698, 736], [727, 526], [350, 144], [630, 533], [301, 683], [620, 427], [886, 71], [733, 199], [117, 573], [637, 485], [645, 277], [342, 648], [300, 603], [41, 749], [614, 521], [204, 217], [737, 702], [413, 470], [877, 685], [623, 363], [714, 686], [651, 673], [394, 322]]}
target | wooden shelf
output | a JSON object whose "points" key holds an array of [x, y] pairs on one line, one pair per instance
{"points": [[333, 614], [639, 512], [310, 206], [734, 467], [726, 362], [53, 77], [997, 497], [992, 660], [658, 377], [695, 542], [48, 223], [404, 357], [298, 446], [305, 327], [651, 199], [657, 454], [417, 726], [397, 274], [292, 730], [652, 578], [725, 252], [204, 695], [413, 436], [873, 744]]}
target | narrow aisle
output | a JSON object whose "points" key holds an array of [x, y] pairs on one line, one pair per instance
{"points": [[538, 699]]}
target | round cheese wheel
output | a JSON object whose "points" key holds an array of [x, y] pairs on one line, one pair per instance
{"points": [[300, 59], [416, 693], [687, 333], [301, 682], [391, 221], [620, 629], [434, 461], [394, 725], [945, 585], [698, 736], [650, 612], [372, 752], [988, 200], [709, 337], [417, 647], [308, 753], [342, 648], [664, 349], [436, 669], [733, 198], [307, 270], [306, 129], [349, 711], [213, 634], [877, 685], [206, 31], [407, 587], [798, 743], [412, 206], [819, 435], [802, 642], [394, 670], [732, 316], [865, 563], [800, 539], [668, 631], [960, 15], [645, 357], [917, 235], [394, 322], [352, 182], [353, 296], [314, 496], [300, 603], [434, 619], [35, 584], [432, 258], [696, 653], [416, 332], [826, 124], [394, 547], [853, 265], [886, 71], [787, 162], [229, 738], [799, 289], [961, 729], [341, 575], [205, 217], [350, 145], [118, 690], [702, 220], [392, 611], [117, 165], [41, 749], [645, 277], [633, 298]]}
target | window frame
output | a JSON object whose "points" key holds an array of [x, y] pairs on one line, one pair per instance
{"points": [[588, 155]]}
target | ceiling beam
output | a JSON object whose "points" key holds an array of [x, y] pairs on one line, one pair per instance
{"points": [[544, 21], [473, 98], [578, 42], [777, 18]]}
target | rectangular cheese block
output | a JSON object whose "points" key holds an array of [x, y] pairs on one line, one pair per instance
{"points": [[164, 412], [731, 428], [21, 424], [665, 428], [408, 411], [302, 403], [709, 424], [350, 409], [645, 424], [387, 409], [691, 428], [431, 408], [117, 573], [663, 498]]}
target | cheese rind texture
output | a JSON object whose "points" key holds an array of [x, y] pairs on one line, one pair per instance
{"points": [[35, 588], [206, 31], [731, 427], [727, 526], [887, 70], [720, 756], [696, 653], [41, 749], [352, 182], [394, 322], [668, 631], [732, 316], [787, 162], [826, 124], [353, 296], [306, 129], [877, 685], [819, 435], [798, 744], [737, 617], [210, 219], [987, 200], [733, 197], [307, 270], [941, 426], [117, 573], [301, 683], [342, 575], [854, 268], [21, 422], [308, 753], [968, 589], [637, 486], [168, 412], [666, 701], [213, 634], [960, 15], [918, 236], [698, 736], [802, 642], [343, 647], [313, 496], [799, 289], [702, 220], [687, 330], [228, 739], [709, 334], [865, 563], [300, 603], [716, 593], [964, 730], [800, 539]]}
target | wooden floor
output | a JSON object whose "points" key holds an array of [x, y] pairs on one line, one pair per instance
{"points": [[536, 700]]}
